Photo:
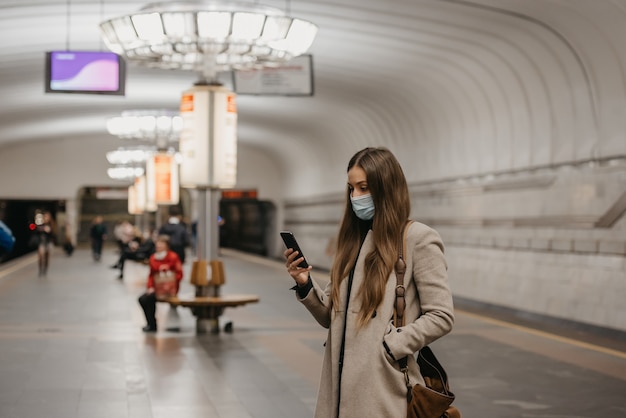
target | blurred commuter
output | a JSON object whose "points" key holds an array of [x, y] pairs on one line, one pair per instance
{"points": [[98, 234], [166, 272], [124, 233], [45, 236], [361, 372], [7, 240], [176, 229], [68, 245], [139, 249]]}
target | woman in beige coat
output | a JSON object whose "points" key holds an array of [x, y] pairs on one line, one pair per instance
{"points": [[360, 374]]}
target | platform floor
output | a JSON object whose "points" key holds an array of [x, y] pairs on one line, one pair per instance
{"points": [[71, 346]]}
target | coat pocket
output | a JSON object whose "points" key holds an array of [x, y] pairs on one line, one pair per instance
{"points": [[389, 330]]}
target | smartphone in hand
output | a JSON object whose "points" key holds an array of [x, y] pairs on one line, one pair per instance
{"points": [[290, 242]]}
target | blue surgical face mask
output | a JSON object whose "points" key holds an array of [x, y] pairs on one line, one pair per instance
{"points": [[363, 206]]}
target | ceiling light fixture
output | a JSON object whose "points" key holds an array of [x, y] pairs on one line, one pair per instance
{"points": [[130, 162], [158, 130], [208, 36], [125, 173], [129, 156], [159, 126], [137, 155]]}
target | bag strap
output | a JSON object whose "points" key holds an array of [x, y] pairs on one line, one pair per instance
{"points": [[400, 269], [430, 367], [400, 303]]}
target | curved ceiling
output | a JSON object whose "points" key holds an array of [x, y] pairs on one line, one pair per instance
{"points": [[453, 87]]}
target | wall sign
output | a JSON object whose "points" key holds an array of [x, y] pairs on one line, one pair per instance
{"points": [[208, 140]]}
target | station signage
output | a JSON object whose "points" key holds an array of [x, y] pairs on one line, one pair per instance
{"points": [[162, 180], [208, 140]]}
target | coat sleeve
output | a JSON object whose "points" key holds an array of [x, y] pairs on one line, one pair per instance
{"points": [[317, 301], [436, 309]]}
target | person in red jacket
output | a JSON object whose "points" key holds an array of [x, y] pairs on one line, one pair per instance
{"points": [[164, 266]]}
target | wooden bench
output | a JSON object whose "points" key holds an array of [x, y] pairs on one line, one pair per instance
{"points": [[208, 305]]}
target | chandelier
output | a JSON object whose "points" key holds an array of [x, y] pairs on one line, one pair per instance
{"points": [[160, 129], [125, 173], [130, 162], [129, 156], [136, 155], [208, 36], [159, 126]]}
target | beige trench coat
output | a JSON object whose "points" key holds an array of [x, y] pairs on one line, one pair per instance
{"points": [[372, 384]]}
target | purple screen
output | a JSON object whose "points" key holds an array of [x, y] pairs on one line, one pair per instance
{"points": [[84, 71]]}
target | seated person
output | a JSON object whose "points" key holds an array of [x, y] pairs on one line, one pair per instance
{"points": [[136, 250], [163, 262]]}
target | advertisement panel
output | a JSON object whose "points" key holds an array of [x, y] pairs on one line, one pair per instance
{"points": [[162, 180], [132, 201], [208, 140], [140, 194]]}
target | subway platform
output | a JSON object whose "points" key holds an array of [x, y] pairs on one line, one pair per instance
{"points": [[71, 345]]}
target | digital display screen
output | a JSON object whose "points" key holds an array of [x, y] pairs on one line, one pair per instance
{"points": [[293, 78], [88, 72]]}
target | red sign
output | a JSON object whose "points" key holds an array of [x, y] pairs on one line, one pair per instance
{"points": [[239, 194], [186, 103], [231, 104]]}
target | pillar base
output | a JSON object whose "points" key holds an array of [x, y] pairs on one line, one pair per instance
{"points": [[207, 325]]}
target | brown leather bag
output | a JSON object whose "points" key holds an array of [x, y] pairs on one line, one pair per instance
{"points": [[433, 400]]}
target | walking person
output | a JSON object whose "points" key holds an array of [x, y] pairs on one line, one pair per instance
{"points": [[98, 234], [45, 235], [176, 229], [361, 376], [68, 245]]}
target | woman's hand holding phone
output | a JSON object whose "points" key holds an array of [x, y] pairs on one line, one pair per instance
{"points": [[297, 266], [299, 274]]}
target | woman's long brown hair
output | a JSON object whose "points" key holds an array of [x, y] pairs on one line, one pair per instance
{"points": [[387, 184]]}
